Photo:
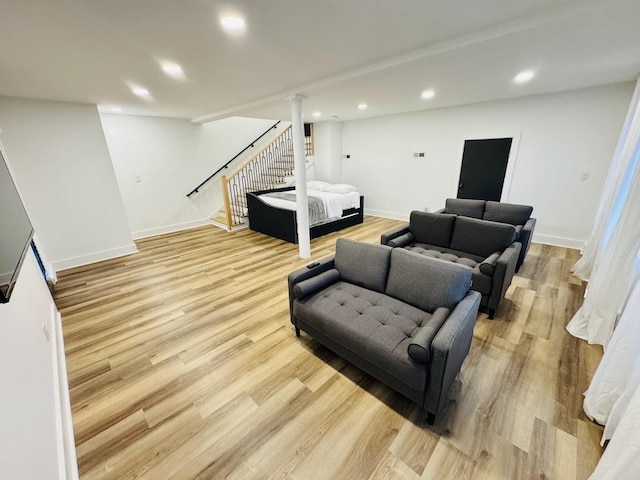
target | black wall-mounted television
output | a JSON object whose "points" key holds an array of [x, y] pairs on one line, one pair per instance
{"points": [[16, 232]]}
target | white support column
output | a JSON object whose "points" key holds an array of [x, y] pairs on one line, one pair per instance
{"points": [[302, 200]]}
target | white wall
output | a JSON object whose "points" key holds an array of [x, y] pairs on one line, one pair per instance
{"points": [[158, 161], [36, 437], [62, 167], [563, 135], [327, 137]]}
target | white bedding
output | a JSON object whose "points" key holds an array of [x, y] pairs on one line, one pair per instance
{"points": [[334, 203]]}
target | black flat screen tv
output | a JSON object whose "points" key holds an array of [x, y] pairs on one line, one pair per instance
{"points": [[16, 232]]}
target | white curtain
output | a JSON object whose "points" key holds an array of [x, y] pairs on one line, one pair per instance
{"points": [[614, 270], [610, 314], [607, 214], [614, 397]]}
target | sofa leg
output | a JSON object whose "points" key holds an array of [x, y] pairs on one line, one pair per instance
{"points": [[431, 418], [492, 312], [297, 331]]}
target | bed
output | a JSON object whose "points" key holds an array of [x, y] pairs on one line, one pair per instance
{"points": [[331, 208]]}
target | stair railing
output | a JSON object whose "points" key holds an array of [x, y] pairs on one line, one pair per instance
{"points": [[226, 165], [265, 170]]}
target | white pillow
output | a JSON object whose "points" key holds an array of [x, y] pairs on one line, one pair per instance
{"points": [[341, 188], [318, 185]]}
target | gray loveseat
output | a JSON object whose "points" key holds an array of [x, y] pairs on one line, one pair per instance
{"points": [[486, 248], [517, 215], [403, 318]]}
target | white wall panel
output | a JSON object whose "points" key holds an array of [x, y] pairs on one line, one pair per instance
{"points": [[563, 136]]}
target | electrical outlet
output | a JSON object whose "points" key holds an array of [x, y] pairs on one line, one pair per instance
{"points": [[585, 176], [418, 155], [138, 179]]}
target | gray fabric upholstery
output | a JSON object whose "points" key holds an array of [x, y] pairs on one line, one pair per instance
{"points": [[507, 213], [402, 240], [449, 348], [511, 213], [386, 237], [426, 283], [432, 228], [420, 345], [312, 285], [480, 282], [518, 231], [376, 330], [525, 240], [488, 266], [465, 207], [473, 244], [481, 237], [468, 259], [363, 264], [372, 324], [303, 274]]}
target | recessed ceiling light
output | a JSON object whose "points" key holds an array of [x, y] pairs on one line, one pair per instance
{"points": [[141, 92], [233, 23], [115, 109], [173, 70], [362, 106], [427, 94], [523, 76], [317, 114]]}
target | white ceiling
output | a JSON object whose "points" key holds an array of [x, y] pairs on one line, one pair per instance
{"points": [[337, 52]]}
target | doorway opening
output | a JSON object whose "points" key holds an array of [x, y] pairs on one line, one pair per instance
{"points": [[487, 167]]}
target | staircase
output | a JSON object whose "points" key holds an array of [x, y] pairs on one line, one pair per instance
{"points": [[272, 167]]}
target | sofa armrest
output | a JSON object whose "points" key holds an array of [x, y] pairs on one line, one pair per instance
{"points": [[488, 265], [449, 348], [305, 274], [402, 240], [505, 268], [312, 285], [385, 238], [525, 240]]}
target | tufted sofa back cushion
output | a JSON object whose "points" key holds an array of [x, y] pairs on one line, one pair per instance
{"points": [[426, 283], [507, 213], [464, 207], [363, 264], [431, 228], [481, 237]]}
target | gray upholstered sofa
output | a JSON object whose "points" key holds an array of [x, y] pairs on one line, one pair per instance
{"points": [[486, 248], [517, 215], [403, 318]]}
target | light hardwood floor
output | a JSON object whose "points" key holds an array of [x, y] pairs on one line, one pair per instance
{"points": [[183, 364]]}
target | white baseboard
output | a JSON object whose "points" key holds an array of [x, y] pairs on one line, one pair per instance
{"points": [[391, 215], [94, 257], [67, 458], [152, 232], [558, 241]]}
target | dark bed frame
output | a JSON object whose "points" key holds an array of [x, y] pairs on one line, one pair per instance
{"points": [[281, 223]]}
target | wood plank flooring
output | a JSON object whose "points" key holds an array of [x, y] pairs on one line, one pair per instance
{"points": [[183, 364]]}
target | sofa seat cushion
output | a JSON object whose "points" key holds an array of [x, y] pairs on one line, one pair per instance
{"points": [[480, 282], [371, 324], [468, 259]]}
